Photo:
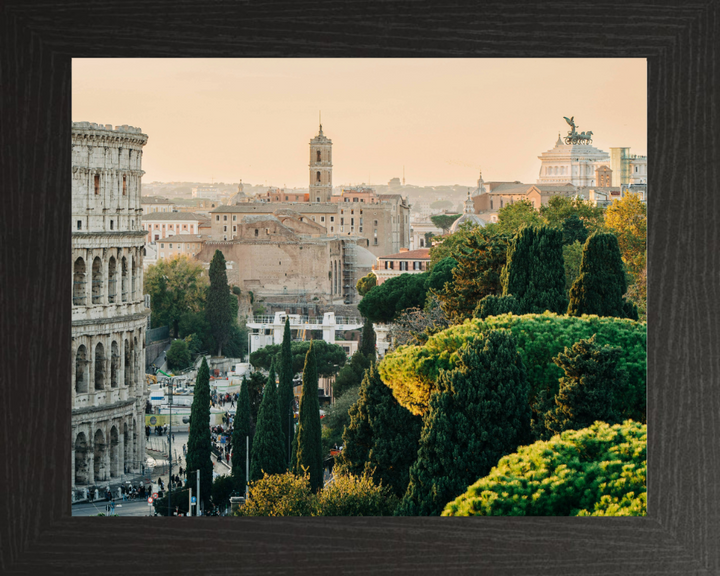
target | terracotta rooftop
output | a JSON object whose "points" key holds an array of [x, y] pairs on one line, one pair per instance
{"points": [[186, 216], [419, 254]]}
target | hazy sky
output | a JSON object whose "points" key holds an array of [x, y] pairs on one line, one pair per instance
{"points": [[443, 119]]}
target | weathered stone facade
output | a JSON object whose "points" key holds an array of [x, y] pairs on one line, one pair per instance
{"points": [[109, 317]]}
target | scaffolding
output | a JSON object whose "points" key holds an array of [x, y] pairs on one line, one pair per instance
{"points": [[348, 271]]}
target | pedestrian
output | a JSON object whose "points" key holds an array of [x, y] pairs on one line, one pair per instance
{"points": [[227, 456], [173, 437], [180, 471]]}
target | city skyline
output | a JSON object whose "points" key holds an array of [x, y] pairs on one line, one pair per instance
{"points": [[440, 120]]}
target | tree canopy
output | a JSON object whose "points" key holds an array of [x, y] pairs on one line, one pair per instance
{"points": [[478, 413], [176, 287], [560, 208], [365, 283], [627, 219], [596, 471], [515, 215], [178, 356], [383, 303], [268, 455], [444, 221], [329, 357]]}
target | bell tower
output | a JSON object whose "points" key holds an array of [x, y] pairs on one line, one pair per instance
{"points": [[320, 168]]}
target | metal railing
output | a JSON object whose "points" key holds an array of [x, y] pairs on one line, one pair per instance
{"points": [[295, 321]]}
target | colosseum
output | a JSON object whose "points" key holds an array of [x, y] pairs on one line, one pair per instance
{"points": [[109, 315]]}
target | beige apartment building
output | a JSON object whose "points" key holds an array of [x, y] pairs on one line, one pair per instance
{"points": [[160, 225], [404, 262]]}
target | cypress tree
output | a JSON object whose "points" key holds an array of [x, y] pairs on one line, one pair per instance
{"points": [[478, 414], [268, 449], [574, 230], [285, 390], [242, 427], [367, 340], [601, 284], [199, 446], [587, 389], [382, 435], [309, 432], [535, 270], [218, 304]]}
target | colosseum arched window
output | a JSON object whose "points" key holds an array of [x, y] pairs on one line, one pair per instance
{"points": [[99, 367], [124, 279], [128, 371], [99, 451], [81, 370], [114, 363], [79, 282], [132, 279], [114, 452], [82, 473], [97, 281], [112, 279]]}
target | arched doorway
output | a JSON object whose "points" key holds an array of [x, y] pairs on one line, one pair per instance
{"points": [[126, 448], [114, 361], [81, 370], [79, 282], [82, 471], [114, 453], [112, 276], [99, 367], [97, 281], [99, 453]]}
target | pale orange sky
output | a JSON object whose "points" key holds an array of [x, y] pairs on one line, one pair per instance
{"points": [[442, 119]]}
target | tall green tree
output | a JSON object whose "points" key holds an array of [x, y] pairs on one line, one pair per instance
{"points": [[627, 219], [329, 358], [383, 303], [309, 432], [285, 389], [199, 447], [444, 221], [351, 375], [478, 414], [535, 270], [178, 356], [242, 429], [256, 383], [574, 230], [219, 305], [480, 259], [176, 287], [587, 389], [600, 287], [268, 450], [382, 436], [367, 340]]}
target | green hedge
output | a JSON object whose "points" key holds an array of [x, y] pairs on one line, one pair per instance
{"points": [[597, 471], [411, 371]]}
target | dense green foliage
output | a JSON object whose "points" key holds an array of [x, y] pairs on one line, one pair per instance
{"points": [[285, 389], [222, 488], [411, 371], [351, 374], [365, 283], [381, 436], [587, 389], [560, 208], [444, 221], [572, 258], [480, 259], [180, 502], [309, 456], [574, 230], [268, 455], [440, 274], [330, 357], [383, 303], [256, 383], [600, 287], [367, 340], [535, 270], [176, 287], [515, 215], [496, 305], [178, 356], [337, 417], [242, 428], [478, 413], [219, 302], [199, 446], [597, 471]]}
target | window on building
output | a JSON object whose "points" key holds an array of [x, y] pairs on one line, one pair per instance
{"points": [[501, 203], [256, 232], [322, 218], [346, 199], [360, 228], [79, 224], [387, 265], [124, 186], [318, 156], [342, 221], [217, 218], [361, 200], [286, 197], [491, 204], [392, 265], [112, 225], [225, 217], [97, 184], [234, 228], [352, 221], [317, 199], [317, 177], [162, 245], [355, 199], [224, 228], [375, 223], [332, 228], [375, 243], [235, 218], [332, 218]]}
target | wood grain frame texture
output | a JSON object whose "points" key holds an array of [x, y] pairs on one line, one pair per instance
{"points": [[681, 534]]}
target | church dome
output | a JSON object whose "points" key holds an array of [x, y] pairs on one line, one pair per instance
{"points": [[474, 218]]}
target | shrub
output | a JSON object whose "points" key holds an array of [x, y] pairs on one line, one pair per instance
{"points": [[496, 305], [597, 471], [412, 371], [178, 356], [280, 495], [349, 495]]}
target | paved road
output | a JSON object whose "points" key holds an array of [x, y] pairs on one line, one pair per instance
{"points": [[136, 507]]}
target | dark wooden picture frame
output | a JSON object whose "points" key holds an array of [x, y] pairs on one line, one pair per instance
{"points": [[680, 535]]}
